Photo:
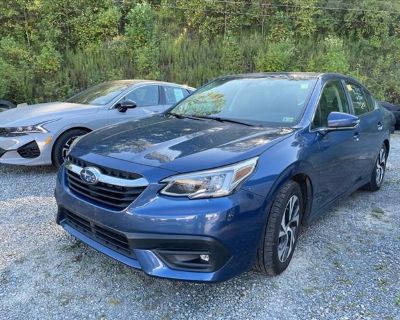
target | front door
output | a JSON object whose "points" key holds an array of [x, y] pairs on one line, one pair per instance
{"points": [[335, 162], [147, 99]]}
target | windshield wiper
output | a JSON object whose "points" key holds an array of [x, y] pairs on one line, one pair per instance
{"points": [[219, 119], [199, 117]]}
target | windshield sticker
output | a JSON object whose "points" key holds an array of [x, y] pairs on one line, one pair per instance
{"points": [[288, 119]]}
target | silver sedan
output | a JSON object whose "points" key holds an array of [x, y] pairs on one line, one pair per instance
{"points": [[42, 134]]}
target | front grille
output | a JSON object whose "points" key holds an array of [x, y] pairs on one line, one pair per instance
{"points": [[108, 171], [29, 150], [107, 237], [114, 197]]}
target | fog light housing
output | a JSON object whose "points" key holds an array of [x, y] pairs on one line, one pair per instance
{"points": [[187, 260], [29, 151]]}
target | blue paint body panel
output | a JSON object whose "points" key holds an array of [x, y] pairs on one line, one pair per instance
{"points": [[335, 163]]}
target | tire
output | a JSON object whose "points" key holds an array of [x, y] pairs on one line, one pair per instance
{"points": [[379, 170], [271, 256], [62, 144]]}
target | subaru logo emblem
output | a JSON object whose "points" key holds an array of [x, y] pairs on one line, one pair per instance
{"points": [[90, 175]]}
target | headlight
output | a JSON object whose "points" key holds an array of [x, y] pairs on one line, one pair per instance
{"points": [[211, 183], [37, 128], [26, 129]]}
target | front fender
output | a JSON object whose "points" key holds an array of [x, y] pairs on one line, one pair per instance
{"points": [[282, 162]]}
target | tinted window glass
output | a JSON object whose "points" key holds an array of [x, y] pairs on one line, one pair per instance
{"points": [[370, 101], [144, 96], [269, 100], [101, 94], [332, 99], [358, 98], [174, 94]]}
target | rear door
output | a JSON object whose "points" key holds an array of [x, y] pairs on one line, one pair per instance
{"points": [[371, 125], [335, 162]]}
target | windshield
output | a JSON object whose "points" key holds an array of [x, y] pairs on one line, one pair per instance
{"points": [[277, 101], [101, 94]]}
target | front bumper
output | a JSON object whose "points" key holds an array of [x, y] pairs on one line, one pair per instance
{"points": [[29, 150], [165, 236]]}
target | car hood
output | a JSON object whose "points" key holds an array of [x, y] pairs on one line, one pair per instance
{"points": [[180, 145], [37, 113]]}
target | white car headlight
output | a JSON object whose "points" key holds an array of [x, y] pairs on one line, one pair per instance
{"points": [[26, 129], [210, 183], [21, 130]]}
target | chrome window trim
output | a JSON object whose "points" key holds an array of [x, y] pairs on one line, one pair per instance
{"points": [[327, 129], [136, 183]]}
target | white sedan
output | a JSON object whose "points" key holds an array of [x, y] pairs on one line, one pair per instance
{"points": [[41, 134]]}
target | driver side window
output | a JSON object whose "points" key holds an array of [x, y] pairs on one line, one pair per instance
{"points": [[144, 96], [333, 98]]}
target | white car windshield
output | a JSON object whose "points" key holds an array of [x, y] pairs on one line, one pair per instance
{"points": [[100, 94]]}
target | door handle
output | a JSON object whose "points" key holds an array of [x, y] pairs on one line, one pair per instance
{"points": [[380, 126], [356, 136]]}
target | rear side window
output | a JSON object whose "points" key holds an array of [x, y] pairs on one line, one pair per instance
{"points": [[370, 101], [333, 98], [144, 96], [174, 94], [360, 103]]}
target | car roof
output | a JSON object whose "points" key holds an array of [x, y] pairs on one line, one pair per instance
{"points": [[132, 82], [308, 75], [287, 75], [324, 76]]}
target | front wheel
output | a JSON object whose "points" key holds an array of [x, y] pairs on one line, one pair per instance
{"points": [[282, 230], [379, 170], [62, 145]]}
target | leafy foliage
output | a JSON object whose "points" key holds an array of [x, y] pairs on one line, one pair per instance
{"points": [[52, 49]]}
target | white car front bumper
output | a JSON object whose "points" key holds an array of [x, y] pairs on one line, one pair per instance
{"points": [[27, 150]]}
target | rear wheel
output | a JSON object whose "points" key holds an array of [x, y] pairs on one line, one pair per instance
{"points": [[379, 170], [282, 230], [62, 145]]}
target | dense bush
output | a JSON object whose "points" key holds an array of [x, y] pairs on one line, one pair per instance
{"points": [[51, 49]]}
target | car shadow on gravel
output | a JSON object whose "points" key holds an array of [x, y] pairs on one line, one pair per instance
{"points": [[6, 169]]}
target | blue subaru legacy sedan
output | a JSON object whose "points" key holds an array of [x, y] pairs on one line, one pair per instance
{"points": [[223, 181]]}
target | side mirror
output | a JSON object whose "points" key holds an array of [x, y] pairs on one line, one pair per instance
{"points": [[342, 121], [125, 105]]}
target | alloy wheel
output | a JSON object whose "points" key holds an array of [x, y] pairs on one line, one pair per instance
{"points": [[67, 146], [289, 228], [380, 166]]}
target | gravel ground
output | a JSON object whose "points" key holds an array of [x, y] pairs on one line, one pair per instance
{"points": [[346, 265]]}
